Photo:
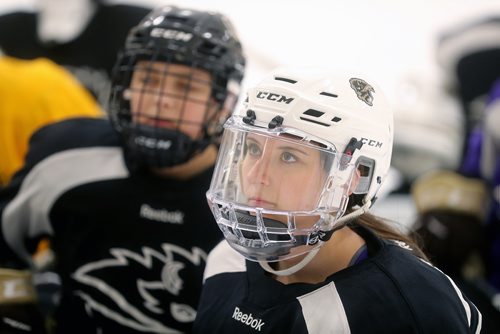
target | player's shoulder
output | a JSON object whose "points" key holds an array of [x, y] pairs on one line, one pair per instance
{"points": [[16, 24], [224, 259], [415, 277], [399, 257], [72, 133], [398, 260]]}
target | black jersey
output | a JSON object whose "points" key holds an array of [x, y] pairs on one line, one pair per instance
{"points": [[131, 247], [392, 291], [90, 56]]}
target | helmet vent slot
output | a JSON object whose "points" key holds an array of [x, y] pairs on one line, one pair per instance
{"points": [[313, 112], [208, 48], [285, 80], [315, 122], [328, 94], [177, 18]]}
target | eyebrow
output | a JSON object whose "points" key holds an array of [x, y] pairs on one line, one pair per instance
{"points": [[189, 73], [281, 147], [293, 148]]}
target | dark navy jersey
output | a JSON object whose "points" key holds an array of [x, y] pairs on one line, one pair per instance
{"points": [[131, 247], [391, 291]]}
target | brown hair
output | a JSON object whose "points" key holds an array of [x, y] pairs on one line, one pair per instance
{"points": [[384, 230]]}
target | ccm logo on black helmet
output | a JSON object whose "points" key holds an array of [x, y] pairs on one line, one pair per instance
{"points": [[171, 34], [274, 97]]}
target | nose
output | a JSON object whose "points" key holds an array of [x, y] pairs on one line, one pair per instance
{"points": [[166, 103], [259, 172], [161, 105]]}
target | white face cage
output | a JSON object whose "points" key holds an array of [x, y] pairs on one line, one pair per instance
{"points": [[277, 194]]}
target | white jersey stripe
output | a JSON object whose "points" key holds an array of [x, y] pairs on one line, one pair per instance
{"points": [[317, 320], [28, 213], [467, 307], [223, 259], [479, 322], [465, 304]]}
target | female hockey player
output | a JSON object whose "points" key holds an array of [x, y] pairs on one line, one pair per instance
{"points": [[298, 169]]}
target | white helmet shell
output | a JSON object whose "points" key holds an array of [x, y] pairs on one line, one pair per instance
{"points": [[331, 106]]}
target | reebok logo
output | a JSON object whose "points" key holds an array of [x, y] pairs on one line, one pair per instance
{"points": [[161, 215], [247, 319]]}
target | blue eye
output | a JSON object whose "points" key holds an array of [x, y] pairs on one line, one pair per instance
{"points": [[288, 157], [253, 149]]}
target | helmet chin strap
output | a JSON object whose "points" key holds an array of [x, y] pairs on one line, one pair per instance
{"points": [[341, 222], [293, 269]]}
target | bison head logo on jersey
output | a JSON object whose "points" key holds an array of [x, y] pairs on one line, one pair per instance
{"points": [[363, 90], [147, 290]]}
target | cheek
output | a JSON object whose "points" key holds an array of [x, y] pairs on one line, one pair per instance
{"points": [[194, 111], [138, 102], [300, 195], [135, 109], [244, 181], [289, 194]]}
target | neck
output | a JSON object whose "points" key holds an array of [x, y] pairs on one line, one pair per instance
{"points": [[198, 164], [332, 257]]}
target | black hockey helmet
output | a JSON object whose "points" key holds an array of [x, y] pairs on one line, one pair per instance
{"points": [[198, 40]]}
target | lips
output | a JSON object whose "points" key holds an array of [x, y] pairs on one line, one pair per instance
{"points": [[158, 123], [260, 202], [165, 124]]}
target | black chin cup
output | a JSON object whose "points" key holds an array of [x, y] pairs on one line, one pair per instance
{"points": [[156, 147], [280, 243], [283, 242], [270, 253], [247, 219]]}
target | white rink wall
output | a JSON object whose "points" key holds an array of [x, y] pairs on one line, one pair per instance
{"points": [[384, 38]]}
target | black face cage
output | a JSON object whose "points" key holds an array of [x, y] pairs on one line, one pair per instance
{"points": [[203, 41]]}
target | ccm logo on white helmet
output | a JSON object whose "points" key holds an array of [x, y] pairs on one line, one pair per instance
{"points": [[171, 34], [274, 97], [371, 142]]}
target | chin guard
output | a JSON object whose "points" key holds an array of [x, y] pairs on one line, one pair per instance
{"points": [[161, 148]]}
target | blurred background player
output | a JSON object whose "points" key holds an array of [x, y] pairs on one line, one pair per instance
{"points": [[34, 93], [124, 200], [468, 54], [452, 211], [456, 216], [490, 173], [84, 36]]}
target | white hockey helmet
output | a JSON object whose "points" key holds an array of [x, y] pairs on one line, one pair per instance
{"points": [[288, 157]]}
